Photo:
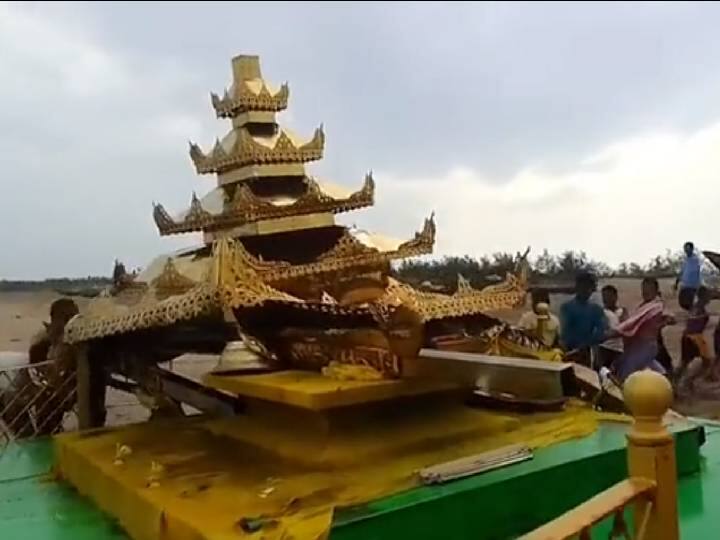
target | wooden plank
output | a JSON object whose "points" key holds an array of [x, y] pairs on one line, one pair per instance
{"points": [[195, 394]]}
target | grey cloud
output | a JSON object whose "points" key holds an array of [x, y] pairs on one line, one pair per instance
{"points": [[411, 89]]}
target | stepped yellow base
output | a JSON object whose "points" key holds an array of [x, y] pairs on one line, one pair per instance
{"points": [[313, 420], [313, 391], [197, 478]]}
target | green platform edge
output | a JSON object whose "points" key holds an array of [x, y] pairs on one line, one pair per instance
{"points": [[508, 502], [501, 504]]}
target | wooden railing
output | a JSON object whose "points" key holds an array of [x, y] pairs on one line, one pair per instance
{"points": [[651, 488]]}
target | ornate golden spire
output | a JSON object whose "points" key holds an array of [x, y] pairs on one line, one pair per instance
{"points": [[249, 92]]}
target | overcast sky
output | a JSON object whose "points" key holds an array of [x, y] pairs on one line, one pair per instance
{"points": [[587, 126]]}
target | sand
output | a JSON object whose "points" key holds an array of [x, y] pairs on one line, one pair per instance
{"points": [[22, 315]]}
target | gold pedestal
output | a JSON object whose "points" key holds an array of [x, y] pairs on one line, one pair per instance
{"points": [[312, 420], [305, 445]]}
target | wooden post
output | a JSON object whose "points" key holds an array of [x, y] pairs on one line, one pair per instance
{"points": [[651, 454], [84, 405]]}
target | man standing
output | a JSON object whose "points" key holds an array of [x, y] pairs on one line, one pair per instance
{"points": [[612, 348], [689, 278], [582, 323]]}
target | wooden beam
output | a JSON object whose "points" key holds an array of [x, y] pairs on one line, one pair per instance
{"points": [[84, 401]]}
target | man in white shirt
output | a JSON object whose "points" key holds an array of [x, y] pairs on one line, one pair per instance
{"points": [[611, 348], [540, 322]]}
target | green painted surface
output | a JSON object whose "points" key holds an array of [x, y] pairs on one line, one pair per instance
{"points": [[507, 502], [497, 505], [33, 506]]}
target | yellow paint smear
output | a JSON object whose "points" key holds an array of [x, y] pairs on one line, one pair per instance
{"points": [[211, 480]]}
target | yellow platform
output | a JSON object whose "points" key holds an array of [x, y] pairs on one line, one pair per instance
{"points": [[313, 420], [313, 391], [211, 476]]}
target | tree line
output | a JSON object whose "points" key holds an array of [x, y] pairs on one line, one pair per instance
{"points": [[59, 284], [443, 273]]}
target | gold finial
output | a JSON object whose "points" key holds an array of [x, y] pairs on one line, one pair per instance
{"points": [[648, 395], [651, 453], [246, 67], [542, 309]]}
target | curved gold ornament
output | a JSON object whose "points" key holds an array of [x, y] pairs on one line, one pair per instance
{"points": [[245, 207], [247, 151], [243, 99]]}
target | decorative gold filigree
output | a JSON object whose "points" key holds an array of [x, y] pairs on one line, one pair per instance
{"points": [[170, 282], [382, 360], [466, 301], [243, 99], [246, 207], [200, 301], [347, 247], [327, 299], [422, 239], [346, 254], [247, 151], [314, 355], [238, 283], [237, 279]]}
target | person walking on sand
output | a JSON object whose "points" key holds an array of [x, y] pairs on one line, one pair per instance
{"points": [[693, 342], [688, 281]]}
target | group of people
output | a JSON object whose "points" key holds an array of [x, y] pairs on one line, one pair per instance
{"points": [[618, 342]]}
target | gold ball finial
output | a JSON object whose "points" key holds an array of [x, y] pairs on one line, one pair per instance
{"points": [[542, 309], [648, 395]]}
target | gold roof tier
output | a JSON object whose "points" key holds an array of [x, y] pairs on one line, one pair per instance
{"points": [[353, 249], [246, 207], [232, 278], [249, 92], [239, 148], [464, 302]]}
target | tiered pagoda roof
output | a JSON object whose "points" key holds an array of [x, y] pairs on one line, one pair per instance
{"points": [[218, 210], [240, 148], [270, 237], [250, 95], [257, 148]]}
